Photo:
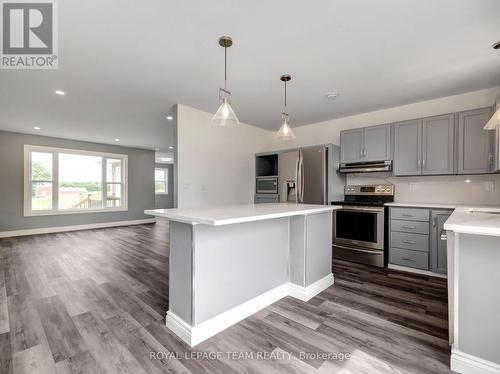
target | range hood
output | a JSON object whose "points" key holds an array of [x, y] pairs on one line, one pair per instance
{"points": [[365, 167]]}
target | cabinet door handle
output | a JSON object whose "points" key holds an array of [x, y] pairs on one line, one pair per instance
{"points": [[408, 241], [408, 215], [418, 164], [423, 163], [407, 259], [409, 227]]}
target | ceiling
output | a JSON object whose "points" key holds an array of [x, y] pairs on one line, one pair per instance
{"points": [[124, 64]]}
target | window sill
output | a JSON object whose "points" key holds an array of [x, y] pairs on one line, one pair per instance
{"points": [[65, 212]]}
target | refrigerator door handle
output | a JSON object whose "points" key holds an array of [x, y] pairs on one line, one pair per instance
{"points": [[299, 174]]}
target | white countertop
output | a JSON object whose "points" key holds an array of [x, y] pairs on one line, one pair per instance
{"points": [[441, 206], [226, 215], [479, 221], [424, 205]]}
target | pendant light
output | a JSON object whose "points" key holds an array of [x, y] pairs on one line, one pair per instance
{"points": [[225, 115], [285, 132]]}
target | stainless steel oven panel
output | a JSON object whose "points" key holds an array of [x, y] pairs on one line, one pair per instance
{"points": [[379, 244], [266, 185], [374, 257]]}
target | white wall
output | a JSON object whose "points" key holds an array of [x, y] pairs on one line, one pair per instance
{"points": [[215, 164], [329, 131], [443, 189]]}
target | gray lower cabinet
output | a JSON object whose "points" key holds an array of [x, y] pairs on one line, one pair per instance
{"points": [[409, 258], [438, 140], [351, 145], [438, 259], [366, 144], [415, 238], [407, 147], [266, 198], [476, 146]]}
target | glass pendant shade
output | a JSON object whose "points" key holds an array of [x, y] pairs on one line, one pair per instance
{"points": [[285, 132], [225, 115]]}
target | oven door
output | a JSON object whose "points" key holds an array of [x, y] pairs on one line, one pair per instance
{"points": [[359, 227]]}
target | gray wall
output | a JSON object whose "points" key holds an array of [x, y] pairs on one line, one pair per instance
{"points": [[166, 201], [140, 186]]}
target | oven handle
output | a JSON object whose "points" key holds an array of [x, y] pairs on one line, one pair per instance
{"points": [[351, 209], [376, 252]]}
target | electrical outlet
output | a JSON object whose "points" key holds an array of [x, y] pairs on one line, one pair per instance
{"points": [[413, 186], [489, 186]]}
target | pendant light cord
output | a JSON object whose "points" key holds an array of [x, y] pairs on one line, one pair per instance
{"points": [[285, 95], [225, 68]]}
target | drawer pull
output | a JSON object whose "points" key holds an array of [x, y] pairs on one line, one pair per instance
{"points": [[407, 259], [409, 241], [409, 227], [408, 215]]}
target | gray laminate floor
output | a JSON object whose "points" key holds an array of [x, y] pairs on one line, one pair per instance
{"points": [[95, 301]]}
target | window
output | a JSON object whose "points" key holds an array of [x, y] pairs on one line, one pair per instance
{"points": [[61, 181], [161, 181]]}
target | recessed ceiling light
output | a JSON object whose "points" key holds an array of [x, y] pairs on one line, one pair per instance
{"points": [[117, 140], [36, 128], [170, 147], [332, 95], [496, 45], [467, 181], [60, 93], [170, 118]]}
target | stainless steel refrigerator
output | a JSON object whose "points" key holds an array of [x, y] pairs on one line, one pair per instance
{"points": [[303, 176]]}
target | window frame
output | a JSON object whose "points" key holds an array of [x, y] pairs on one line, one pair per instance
{"points": [[165, 171], [29, 212]]}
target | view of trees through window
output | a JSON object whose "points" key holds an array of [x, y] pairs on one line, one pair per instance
{"points": [[79, 181]]}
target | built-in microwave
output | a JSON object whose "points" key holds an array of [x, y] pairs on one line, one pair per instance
{"points": [[266, 185]]}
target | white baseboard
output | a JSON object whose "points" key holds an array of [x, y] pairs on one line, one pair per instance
{"points": [[307, 293], [193, 335], [416, 271], [467, 364], [50, 230]]}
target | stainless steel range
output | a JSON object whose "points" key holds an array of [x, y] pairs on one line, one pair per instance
{"points": [[359, 228]]}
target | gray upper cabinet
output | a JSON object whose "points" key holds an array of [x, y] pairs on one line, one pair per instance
{"points": [[438, 255], [408, 147], [351, 145], [366, 144], [424, 146], [377, 143], [476, 146], [438, 145]]}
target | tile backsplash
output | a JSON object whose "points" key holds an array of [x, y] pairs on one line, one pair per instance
{"points": [[451, 189]]}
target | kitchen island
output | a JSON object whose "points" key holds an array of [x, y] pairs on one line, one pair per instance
{"points": [[229, 262], [474, 289]]}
